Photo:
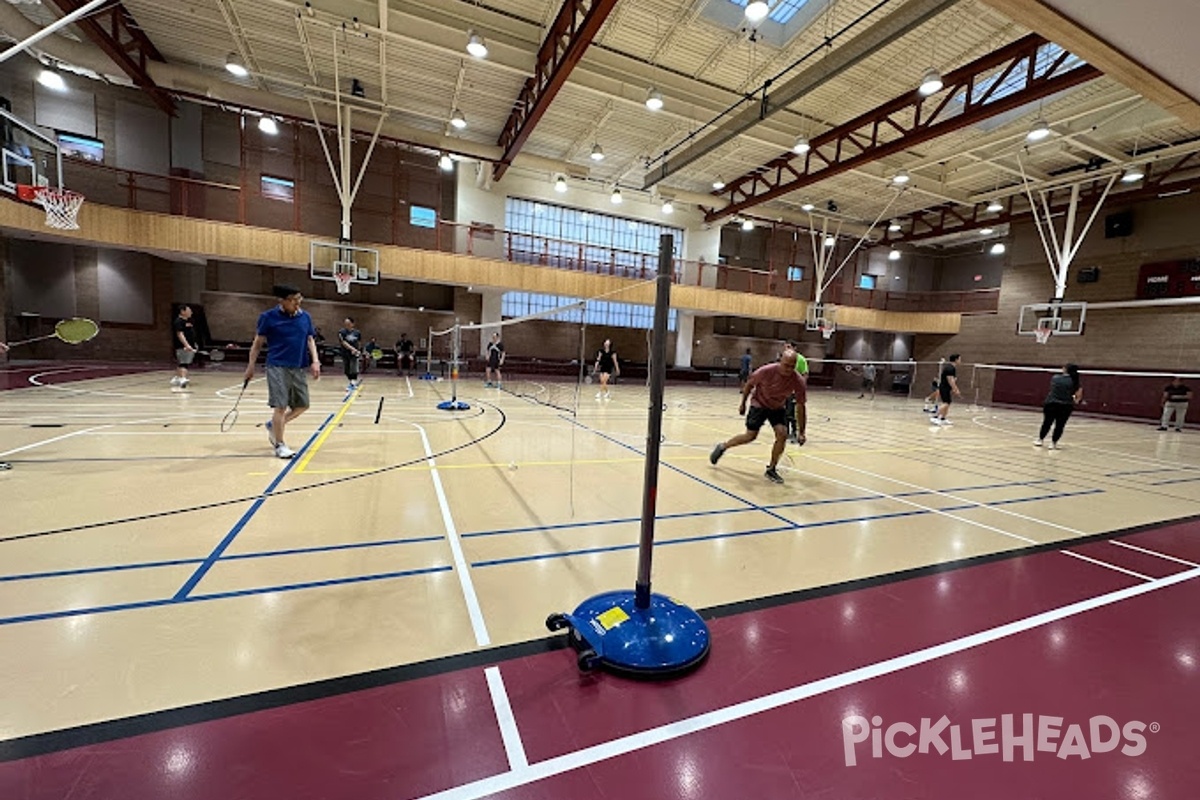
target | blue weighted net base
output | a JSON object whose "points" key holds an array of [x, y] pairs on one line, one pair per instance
{"points": [[453, 405], [610, 631]]}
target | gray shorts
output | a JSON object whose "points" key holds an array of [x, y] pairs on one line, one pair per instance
{"points": [[287, 387], [184, 357]]}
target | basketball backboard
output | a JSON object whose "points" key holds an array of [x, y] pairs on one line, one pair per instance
{"points": [[1065, 319], [820, 317], [328, 258], [28, 156]]}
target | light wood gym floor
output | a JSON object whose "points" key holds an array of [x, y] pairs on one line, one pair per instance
{"points": [[149, 561]]}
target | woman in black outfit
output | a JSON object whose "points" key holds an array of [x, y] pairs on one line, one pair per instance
{"points": [[1065, 392]]}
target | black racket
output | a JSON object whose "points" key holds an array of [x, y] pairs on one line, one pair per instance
{"points": [[230, 418]]}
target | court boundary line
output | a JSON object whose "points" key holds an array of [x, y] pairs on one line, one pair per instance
{"points": [[510, 735], [36, 744], [247, 515]]}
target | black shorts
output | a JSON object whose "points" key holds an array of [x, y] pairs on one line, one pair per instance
{"points": [[493, 363], [757, 415], [350, 364], [944, 393]]}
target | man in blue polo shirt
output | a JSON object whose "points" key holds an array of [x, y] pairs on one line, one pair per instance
{"points": [[288, 333]]}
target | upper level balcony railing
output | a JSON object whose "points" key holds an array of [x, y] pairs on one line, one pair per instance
{"points": [[388, 222]]}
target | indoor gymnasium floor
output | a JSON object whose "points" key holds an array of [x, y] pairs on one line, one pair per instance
{"points": [[183, 615]]}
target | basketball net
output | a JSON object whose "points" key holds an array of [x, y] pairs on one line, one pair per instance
{"points": [[826, 331], [62, 205], [343, 280], [1043, 334]]}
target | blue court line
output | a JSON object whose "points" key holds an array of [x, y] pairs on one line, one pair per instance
{"points": [[798, 526], [239, 556], [1177, 480], [208, 563], [1146, 471], [172, 601], [775, 506]]}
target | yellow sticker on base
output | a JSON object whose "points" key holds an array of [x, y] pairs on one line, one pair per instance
{"points": [[612, 618]]}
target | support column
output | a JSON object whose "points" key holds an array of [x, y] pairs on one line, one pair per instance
{"points": [[490, 313], [685, 330]]}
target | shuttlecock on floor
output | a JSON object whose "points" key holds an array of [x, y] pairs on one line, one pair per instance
{"points": [[512, 466]]}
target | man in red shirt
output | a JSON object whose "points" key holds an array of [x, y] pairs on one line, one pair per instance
{"points": [[768, 391]]}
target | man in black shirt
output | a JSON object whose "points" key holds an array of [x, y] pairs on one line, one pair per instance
{"points": [[495, 359], [350, 338], [404, 354], [947, 390], [183, 337], [1175, 401]]}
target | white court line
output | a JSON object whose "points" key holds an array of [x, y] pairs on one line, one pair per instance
{"points": [[1122, 453], [1106, 564], [513, 746], [51, 441], [460, 562], [409, 383], [1153, 553], [722, 716]]}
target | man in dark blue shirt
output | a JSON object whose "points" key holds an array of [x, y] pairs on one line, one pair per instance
{"points": [[288, 333]]}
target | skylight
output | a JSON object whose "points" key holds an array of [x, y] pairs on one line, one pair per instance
{"points": [[782, 11], [1015, 80]]}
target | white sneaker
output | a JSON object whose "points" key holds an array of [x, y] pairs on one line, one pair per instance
{"points": [[183, 383], [1053, 446], [175, 380], [283, 451], [947, 421], [936, 420], [1037, 442], [606, 396]]}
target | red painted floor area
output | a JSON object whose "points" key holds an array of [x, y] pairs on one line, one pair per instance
{"points": [[17, 375], [1133, 664]]}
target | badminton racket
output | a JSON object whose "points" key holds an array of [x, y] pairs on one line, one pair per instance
{"points": [[231, 416], [216, 356], [72, 331]]}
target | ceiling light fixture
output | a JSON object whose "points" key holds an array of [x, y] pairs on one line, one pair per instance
{"points": [[235, 66], [894, 225], [807, 207], [830, 241], [757, 10], [998, 249], [475, 45], [597, 153], [654, 99], [51, 78], [901, 177], [986, 231], [931, 82], [1039, 131], [718, 184], [268, 125], [995, 207], [458, 120], [894, 255], [615, 197], [560, 184], [446, 163], [747, 224], [668, 207], [1133, 175], [801, 145]]}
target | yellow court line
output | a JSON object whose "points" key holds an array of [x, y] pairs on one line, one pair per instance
{"points": [[333, 423]]}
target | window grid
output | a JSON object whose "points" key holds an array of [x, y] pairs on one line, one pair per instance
{"points": [[564, 235], [596, 312]]}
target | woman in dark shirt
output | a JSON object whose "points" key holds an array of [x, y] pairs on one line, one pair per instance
{"points": [[1065, 392]]}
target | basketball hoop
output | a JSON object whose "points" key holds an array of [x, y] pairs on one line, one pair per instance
{"points": [[1042, 334], [62, 205], [826, 331], [343, 280]]}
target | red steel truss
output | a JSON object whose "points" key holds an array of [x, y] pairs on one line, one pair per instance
{"points": [[577, 23], [970, 95], [116, 32]]}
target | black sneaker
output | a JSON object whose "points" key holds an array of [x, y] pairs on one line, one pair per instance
{"points": [[773, 476], [716, 454]]}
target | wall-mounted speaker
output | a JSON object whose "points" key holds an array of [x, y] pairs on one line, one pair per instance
{"points": [[1118, 225], [1088, 275]]}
